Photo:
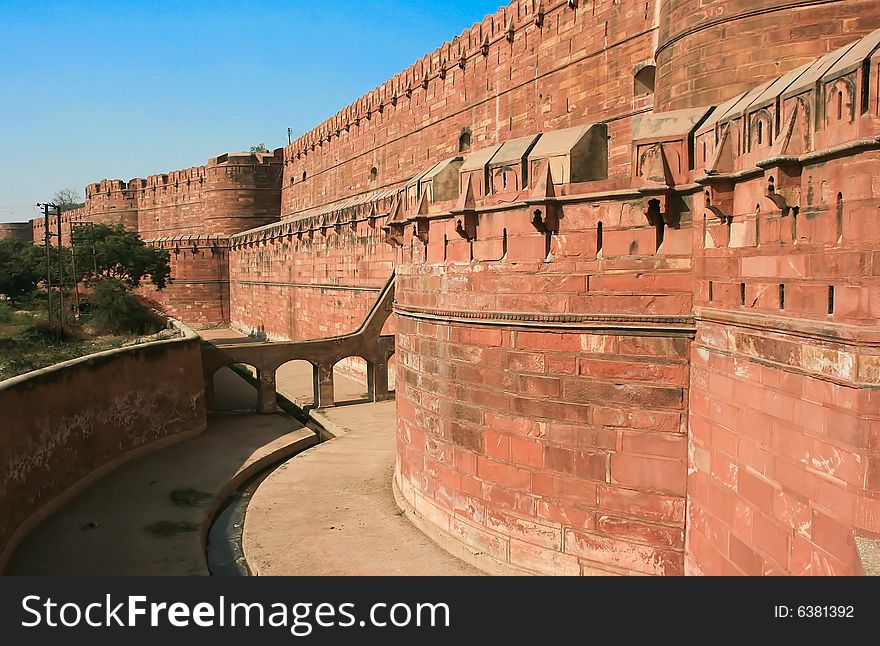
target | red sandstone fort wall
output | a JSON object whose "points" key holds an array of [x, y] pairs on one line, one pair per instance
{"points": [[505, 77], [578, 63], [533, 425], [784, 412], [316, 284], [644, 372], [191, 213], [19, 230]]}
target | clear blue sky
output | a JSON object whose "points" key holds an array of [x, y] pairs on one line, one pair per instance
{"points": [[94, 90]]}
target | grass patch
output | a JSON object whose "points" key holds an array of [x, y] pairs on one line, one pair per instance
{"points": [[28, 342]]}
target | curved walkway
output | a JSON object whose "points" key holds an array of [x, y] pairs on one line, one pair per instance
{"points": [[149, 516], [331, 511]]}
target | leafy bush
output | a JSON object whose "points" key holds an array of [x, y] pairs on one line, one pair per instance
{"points": [[117, 310], [21, 268], [6, 313], [43, 332]]}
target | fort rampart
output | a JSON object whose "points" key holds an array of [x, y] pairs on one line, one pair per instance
{"points": [[638, 278]]}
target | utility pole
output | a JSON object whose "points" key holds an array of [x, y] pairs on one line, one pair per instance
{"points": [[60, 278], [48, 263], [289, 136], [75, 275], [46, 208]]}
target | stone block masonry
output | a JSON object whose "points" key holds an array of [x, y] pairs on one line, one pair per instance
{"points": [[636, 260], [18, 230]]}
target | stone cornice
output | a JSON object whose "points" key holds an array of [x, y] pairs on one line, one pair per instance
{"points": [[629, 323], [828, 332]]}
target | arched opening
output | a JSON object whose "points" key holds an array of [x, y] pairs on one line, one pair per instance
{"points": [[294, 382], [392, 373], [304, 176], [840, 217], [374, 175], [757, 225], [350, 381], [760, 126], [643, 81], [235, 389], [839, 106], [464, 141]]}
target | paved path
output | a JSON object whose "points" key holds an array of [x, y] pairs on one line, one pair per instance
{"points": [[148, 516], [330, 510]]}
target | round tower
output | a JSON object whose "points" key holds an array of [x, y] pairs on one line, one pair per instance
{"points": [[711, 50]]}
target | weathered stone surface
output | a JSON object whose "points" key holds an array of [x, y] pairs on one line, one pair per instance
{"points": [[581, 361]]}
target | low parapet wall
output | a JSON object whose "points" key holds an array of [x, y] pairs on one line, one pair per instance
{"points": [[67, 425]]}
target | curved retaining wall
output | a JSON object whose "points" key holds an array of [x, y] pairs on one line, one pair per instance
{"points": [[67, 425]]}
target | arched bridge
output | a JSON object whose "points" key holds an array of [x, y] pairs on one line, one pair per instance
{"points": [[366, 342]]}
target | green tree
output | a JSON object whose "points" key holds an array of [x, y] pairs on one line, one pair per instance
{"points": [[259, 148], [117, 310], [22, 267], [105, 251]]}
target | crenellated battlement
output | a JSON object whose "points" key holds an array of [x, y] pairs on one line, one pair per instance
{"points": [[482, 41]]}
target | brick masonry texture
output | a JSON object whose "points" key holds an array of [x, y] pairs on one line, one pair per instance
{"points": [[18, 230], [708, 52], [643, 347]]}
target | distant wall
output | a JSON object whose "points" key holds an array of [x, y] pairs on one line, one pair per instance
{"points": [[316, 284], [19, 230], [199, 288], [105, 409]]}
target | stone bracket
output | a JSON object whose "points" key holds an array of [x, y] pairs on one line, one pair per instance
{"points": [[421, 228], [466, 224], [783, 177], [718, 195], [394, 234], [658, 203], [544, 216]]}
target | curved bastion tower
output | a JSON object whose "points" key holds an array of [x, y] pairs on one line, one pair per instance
{"points": [[637, 256]]}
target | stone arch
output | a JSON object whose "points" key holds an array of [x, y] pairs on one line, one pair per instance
{"points": [[464, 140], [391, 367], [840, 102], [294, 380], [761, 130], [644, 79], [351, 380], [231, 388]]}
